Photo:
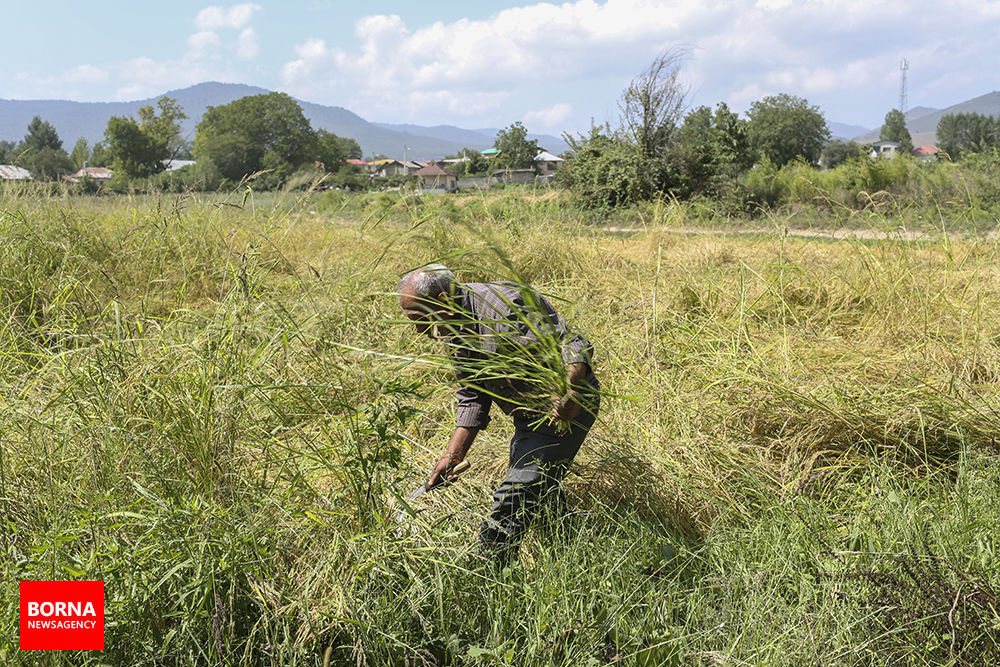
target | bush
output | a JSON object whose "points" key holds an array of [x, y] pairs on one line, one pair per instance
{"points": [[85, 186], [202, 176], [861, 177], [606, 172]]}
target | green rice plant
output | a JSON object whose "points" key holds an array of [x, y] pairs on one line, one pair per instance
{"points": [[208, 402]]}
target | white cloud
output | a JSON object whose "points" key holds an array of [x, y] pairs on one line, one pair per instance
{"points": [[550, 118], [313, 54], [482, 61], [144, 76], [841, 56], [207, 43], [215, 17], [773, 5], [741, 99], [203, 42], [248, 47], [459, 104], [205, 58], [86, 74]]}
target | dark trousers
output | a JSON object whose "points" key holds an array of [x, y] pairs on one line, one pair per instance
{"points": [[540, 456]]}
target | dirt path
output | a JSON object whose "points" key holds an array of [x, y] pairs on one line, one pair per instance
{"points": [[833, 234]]}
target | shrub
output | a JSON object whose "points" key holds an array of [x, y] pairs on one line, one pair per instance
{"points": [[606, 172]]}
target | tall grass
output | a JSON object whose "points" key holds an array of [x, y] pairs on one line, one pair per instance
{"points": [[210, 404]]}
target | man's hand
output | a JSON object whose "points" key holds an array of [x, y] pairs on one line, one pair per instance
{"points": [[442, 472], [566, 407], [454, 453]]}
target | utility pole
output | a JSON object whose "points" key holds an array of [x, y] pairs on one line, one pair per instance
{"points": [[904, 67], [404, 153]]}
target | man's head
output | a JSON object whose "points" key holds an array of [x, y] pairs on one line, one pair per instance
{"points": [[426, 296]]}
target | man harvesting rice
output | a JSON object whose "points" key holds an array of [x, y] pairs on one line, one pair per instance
{"points": [[509, 347]]}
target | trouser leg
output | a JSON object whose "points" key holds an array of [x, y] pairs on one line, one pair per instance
{"points": [[539, 459]]}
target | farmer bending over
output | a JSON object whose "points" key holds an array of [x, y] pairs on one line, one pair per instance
{"points": [[509, 347]]}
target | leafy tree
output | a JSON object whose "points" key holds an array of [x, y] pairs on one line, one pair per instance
{"points": [[42, 153], [81, 153], [46, 164], [473, 165], [255, 133], [183, 151], [963, 133], [7, 152], [894, 129], [652, 104], [650, 109], [99, 156], [139, 148], [133, 153], [784, 127], [41, 134], [352, 149], [838, 151], [333, 151], [708, 150], [164, 128], [516, 150]]}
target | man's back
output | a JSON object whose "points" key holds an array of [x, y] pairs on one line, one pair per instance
{"points": [[514, 345]]}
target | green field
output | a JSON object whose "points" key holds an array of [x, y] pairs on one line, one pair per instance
{"points": [[210, 403]]}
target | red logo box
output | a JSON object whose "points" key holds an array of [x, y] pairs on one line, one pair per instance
{"points": [[62, 615]]}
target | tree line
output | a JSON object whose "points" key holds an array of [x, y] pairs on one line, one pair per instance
{"points": [[959, 135], [264, 135], [658, 149]]}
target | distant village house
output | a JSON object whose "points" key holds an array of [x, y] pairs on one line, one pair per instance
{"points": [[548, 164], [885, 149], [433, 178], [9, 172], [99, 175]]}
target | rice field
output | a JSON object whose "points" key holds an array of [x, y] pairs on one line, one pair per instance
{"points": [[212, 404]]}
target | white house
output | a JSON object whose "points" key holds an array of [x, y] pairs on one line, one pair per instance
{"points": [[547, 163], [99, 175], [885, 149]]}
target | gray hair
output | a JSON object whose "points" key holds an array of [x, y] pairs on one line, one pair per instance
{"points": [[429, 281]]}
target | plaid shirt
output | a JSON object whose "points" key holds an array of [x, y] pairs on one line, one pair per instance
{"points": [[510, 338]]}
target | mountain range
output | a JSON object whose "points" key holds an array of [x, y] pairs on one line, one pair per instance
{"points": [[88, 120]]}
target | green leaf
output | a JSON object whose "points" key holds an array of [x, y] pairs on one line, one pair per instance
{"points": [[479, 652]]}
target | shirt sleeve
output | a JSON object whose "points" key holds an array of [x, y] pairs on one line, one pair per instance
{"points": [[577, 350], [473, 408]]}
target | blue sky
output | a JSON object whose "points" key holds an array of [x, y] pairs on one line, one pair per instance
{"points": [[489, 63]]}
